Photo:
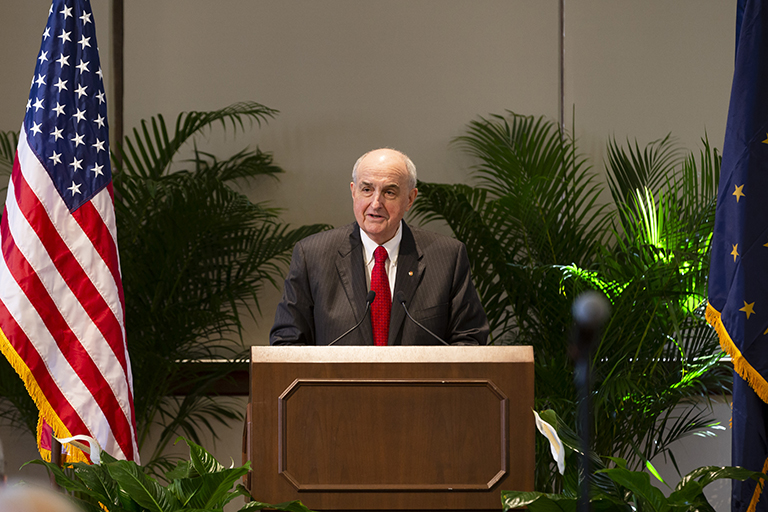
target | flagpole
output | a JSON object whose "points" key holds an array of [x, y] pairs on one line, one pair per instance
{"points": [[55, 458]]}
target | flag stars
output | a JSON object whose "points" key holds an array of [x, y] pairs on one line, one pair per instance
{"points": [[29, 103], [99, 121], [97, 170], [61, 84], [47, 32], [735, 252], [81, 90], [63, 60], [36, 128], [75, 188], [80, 115], [38, 104], [40, 80], [84, 41], [43, 57], [100, 96], [76, 164], [56, 134], [738, 192], [101, 75], [99, 145], [78, 140], [86, 18], [56, 157], [748, 309], [59, 108], [83, 66], [64, 36], [67, 12]]}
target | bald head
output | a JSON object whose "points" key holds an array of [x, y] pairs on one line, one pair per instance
{"points": [[31, 498], [390, 153]]}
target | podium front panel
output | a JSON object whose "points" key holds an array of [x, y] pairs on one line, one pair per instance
{"points": [[391, 428]]}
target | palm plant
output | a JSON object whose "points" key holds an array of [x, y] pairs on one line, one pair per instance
{"points": [[195, 255], [538, 236]]}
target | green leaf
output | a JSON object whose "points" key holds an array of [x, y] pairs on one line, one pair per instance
{"points": [[142, 488], [705, 475], [639, 483], [203, 462], [209, 490], [62, 479], [652, 469]]}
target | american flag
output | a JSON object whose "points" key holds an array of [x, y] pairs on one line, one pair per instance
{"points": [[61, 295]]}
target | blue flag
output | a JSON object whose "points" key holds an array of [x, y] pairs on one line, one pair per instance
{"points": [[738, 280]]}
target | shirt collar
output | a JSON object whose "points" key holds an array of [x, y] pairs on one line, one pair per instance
{"points": [[392, 246]]}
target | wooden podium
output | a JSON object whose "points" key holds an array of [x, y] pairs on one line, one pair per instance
{"points": [[390, 428]]}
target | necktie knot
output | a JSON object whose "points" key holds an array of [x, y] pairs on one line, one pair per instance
{"points": [[380, 255]]}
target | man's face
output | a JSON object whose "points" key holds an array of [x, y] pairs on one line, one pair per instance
{"points": [[381, 195]]}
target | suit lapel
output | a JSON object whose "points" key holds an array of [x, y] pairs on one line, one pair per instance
{"points": [[410, 269], [349, 264]]}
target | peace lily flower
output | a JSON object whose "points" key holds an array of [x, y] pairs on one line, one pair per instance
{"points": [[555, 444]]}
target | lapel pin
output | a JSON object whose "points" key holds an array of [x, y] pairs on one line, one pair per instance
{"points": [[410, 273]]}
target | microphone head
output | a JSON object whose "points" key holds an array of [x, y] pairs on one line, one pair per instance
{"points": [[591, 310], [400, 297], [369, 298]]}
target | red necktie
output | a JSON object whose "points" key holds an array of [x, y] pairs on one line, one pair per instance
{"points": [[382, 304]]}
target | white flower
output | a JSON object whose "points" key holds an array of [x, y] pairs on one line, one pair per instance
{"points": [[555, 444], [95, 448]]}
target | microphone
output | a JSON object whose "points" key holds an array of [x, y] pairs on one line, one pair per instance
{"points": [[590, 311], [400, 297], [368, 301]]}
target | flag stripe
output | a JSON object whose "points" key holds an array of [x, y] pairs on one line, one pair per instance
{"points": [[58, 253], [66, 228], [75, 353], [95, 224], [82, 326]]}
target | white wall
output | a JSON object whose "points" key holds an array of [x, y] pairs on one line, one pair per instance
{"points": [[351, 75]]}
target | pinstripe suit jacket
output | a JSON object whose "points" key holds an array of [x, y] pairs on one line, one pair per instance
{"points": [[325, 292]]}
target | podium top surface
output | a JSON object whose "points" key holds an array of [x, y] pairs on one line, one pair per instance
{"points": [[400, 354]]}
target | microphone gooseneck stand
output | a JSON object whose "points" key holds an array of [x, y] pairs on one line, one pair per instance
{"points": [[590, 311]]}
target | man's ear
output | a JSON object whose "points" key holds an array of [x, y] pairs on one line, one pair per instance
{"points": [[412, 197]]}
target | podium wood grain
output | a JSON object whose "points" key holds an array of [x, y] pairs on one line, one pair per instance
{"points": [[391, 428]]}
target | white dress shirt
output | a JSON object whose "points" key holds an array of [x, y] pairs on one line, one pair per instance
{"points": [[393, 249]]}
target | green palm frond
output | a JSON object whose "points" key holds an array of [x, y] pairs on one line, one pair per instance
{"points": [[151, 150], [8, 143], [635, 169]]}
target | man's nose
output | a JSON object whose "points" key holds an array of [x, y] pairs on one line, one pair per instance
{"points": [[376, 200]]}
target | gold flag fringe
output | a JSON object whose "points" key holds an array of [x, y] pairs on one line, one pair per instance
{"points": [[747, 372], [45, 410]]}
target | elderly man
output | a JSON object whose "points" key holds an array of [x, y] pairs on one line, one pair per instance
{"points": [[327, 288]]}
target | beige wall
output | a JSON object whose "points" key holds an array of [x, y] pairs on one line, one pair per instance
{"points": [[350, 75]]}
